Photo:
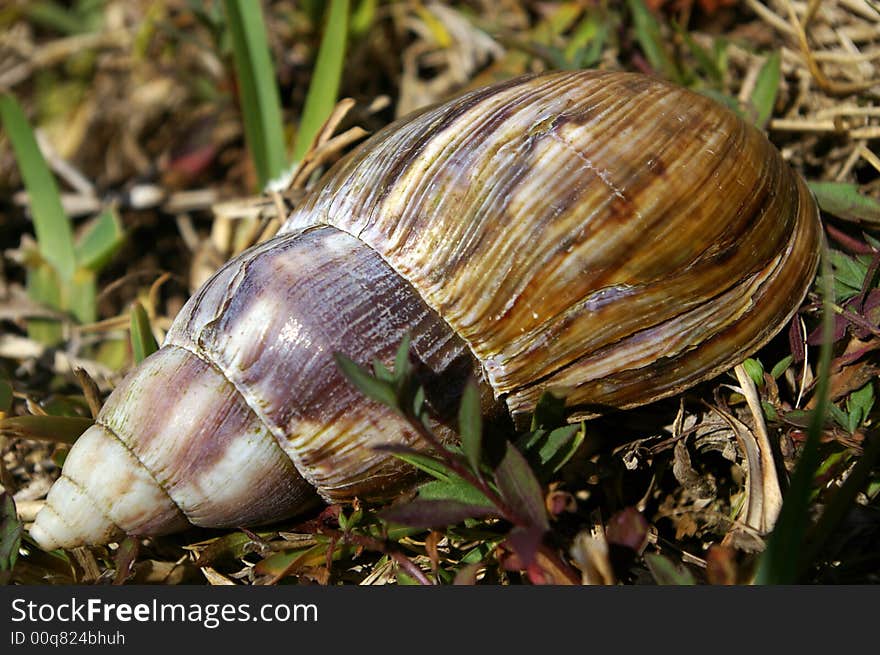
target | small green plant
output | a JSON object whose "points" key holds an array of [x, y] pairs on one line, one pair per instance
{"points": [[61, 271], [467, 485], [143, 343]]}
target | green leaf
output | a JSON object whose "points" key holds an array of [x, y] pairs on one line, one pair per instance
{"points": [[83, 301], [260, 102], [381, 372], [362, 17], [723, 99], [418, 402], [479, 552], [848, 271], [54, 234], [651, 40], [434, 513], [666, 572], [470, 424], [402, 365], [456, 489], [143, 343], [100, 241], [549, 412], [77, 20], [324, 87], [286, 562], [720, 54], [859, 404], [871, 241], [520, 488], [839, 416], [755, 370], [766, 88], [781, 366], [549, 450], [584, 46], [10, 535], [843, 200], [706, 60], [379, 390], [44, 287], [430, 465], [769, 411]]}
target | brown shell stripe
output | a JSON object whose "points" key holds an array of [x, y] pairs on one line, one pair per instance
{"points": [[566, 192], [273, 326]]}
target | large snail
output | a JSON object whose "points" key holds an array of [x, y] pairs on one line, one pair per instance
{"points": [[606, 235]]}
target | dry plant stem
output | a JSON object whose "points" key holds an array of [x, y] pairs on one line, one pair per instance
{"points": [[769, 17], [829, 86], [90, 390], [314, 158], [378, 546], [754, 495], [215, 578], [27, 509], [847, 166], [60, 50], [869, 155], [769, 480]]}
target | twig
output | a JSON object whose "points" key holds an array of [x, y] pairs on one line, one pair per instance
{"points": [[378, 546], [770, 482]]}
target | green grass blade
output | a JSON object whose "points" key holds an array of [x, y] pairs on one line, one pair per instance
{"points": [[779, 562], [83, 300], [43, 287], [362, 17], [653, 44], [704, 58], [100, 241], [260, 102], [470, 426], [324, 87], [766, 88], [143, 343], [54, 234]]}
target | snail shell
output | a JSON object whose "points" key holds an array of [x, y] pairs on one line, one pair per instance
{"points": [[608, 236]]}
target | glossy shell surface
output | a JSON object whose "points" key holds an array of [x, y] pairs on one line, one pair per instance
{"points": [[607, 236]]}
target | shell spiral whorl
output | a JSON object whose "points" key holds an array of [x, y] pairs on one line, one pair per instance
{"points": [[606, 235]]}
